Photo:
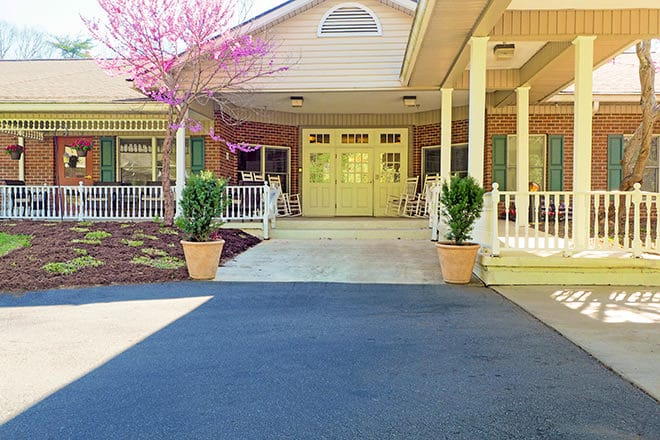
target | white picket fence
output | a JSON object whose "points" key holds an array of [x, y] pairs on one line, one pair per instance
{"points": [[44, 202], [543, 221]]}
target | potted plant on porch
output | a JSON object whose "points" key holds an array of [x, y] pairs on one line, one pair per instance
{"points": [[82, 146], [15, 151], [202, 203], [462, 201]]}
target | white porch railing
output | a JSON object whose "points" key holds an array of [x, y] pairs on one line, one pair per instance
{"points": [[543, 221], [44, 202]]}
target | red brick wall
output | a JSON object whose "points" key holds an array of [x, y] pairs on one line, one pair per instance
{"points": [[429, 135], [38, 161], [40, 167], [603, 125], [258, 133]]}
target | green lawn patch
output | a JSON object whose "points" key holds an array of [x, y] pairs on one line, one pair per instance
{"points": [[10, 242], [69, 267]]}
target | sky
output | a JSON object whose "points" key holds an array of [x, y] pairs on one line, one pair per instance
{"points": [[62, 18]]}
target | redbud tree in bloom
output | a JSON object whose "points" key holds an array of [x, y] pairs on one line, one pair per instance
{"points": [[181, 52]]}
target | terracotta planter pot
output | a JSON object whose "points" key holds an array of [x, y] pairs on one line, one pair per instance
{"points": [[457, 261], [202, 258], [82, 153], [15, 155]]}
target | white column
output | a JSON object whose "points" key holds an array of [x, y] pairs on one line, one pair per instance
{"points": [[582, 132], [478, 49], [445, 133], [21, 161], [522, 155], [180, 165]]}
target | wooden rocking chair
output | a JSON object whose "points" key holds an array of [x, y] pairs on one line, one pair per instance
{"points": [[398, 204]]}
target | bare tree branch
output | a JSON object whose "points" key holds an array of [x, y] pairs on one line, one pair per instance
{"points": [[636, 153]]}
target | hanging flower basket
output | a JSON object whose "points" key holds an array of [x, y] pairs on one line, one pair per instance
{"points": [[14, 151], [82, 146]]}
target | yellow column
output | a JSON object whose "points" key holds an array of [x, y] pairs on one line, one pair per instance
{"points": [[582, 132], [522, 155], [445, 130], [478, 48]]}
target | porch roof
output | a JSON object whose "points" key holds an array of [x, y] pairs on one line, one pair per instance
{"points": [[438, 53]]}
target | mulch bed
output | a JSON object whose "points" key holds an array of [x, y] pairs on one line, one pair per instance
{"points": [[22, 269]]}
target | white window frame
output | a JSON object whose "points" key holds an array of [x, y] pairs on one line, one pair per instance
{"points": [[154, 155]]}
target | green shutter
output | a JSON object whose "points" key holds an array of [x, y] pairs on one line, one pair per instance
{"points": [[196, 154], [555, 163], [108, 159], [499, 161], [614, 156]]}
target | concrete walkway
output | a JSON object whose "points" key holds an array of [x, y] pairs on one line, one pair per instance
{"points": [[618, 326]]}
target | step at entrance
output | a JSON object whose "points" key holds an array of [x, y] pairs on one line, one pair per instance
{"points": [[356, 228]]}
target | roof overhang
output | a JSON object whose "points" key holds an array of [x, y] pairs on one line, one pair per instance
{"points": [[438, 53]]}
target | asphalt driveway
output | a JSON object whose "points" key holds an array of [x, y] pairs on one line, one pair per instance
{"points": [[298, 361]]}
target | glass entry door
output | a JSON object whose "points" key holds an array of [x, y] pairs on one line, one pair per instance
{"points": [[354, 182], [319, 183], [351, 171], [72, 166]]}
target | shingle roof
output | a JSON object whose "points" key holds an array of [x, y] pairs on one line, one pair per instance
{"points": [[620, 76], [62, 81]]}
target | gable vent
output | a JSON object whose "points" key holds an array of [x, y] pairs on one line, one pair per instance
{"points": [[349, 19]]}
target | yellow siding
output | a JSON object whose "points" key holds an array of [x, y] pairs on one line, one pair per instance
{"points": [[338, 62]]}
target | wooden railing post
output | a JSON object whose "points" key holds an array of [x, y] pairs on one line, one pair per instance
{"points": [[81, 203], [265, 211], [494, 226], [637, 232]]}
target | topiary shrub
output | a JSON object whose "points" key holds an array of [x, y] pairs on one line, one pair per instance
{"points": [[462, 200], [202, 203]]}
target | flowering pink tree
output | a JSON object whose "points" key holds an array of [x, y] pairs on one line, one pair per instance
{"points": [[181, 52]]}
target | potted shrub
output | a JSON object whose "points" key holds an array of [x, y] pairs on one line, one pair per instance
{"points": [[461, 201], [15, 151], [202, 203]]}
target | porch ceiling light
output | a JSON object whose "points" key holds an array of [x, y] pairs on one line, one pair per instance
{"points": [[297, 101], [410, 101], [504, 51]]}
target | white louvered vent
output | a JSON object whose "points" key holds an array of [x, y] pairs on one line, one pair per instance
{"points": [[349, 19]]}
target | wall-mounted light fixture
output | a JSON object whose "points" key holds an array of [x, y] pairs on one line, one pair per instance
{"points": [[410, 101], [297, 101], [504, 51]]}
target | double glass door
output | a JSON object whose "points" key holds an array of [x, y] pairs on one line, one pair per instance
{"points": [[351, 180]]}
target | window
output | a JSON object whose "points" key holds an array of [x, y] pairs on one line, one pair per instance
{"points": [[536, 160], [349, 19], [505, 161], [351, 138], [651, 179], [269, 161], [432, 157], [140, 160], [321, 138]]}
